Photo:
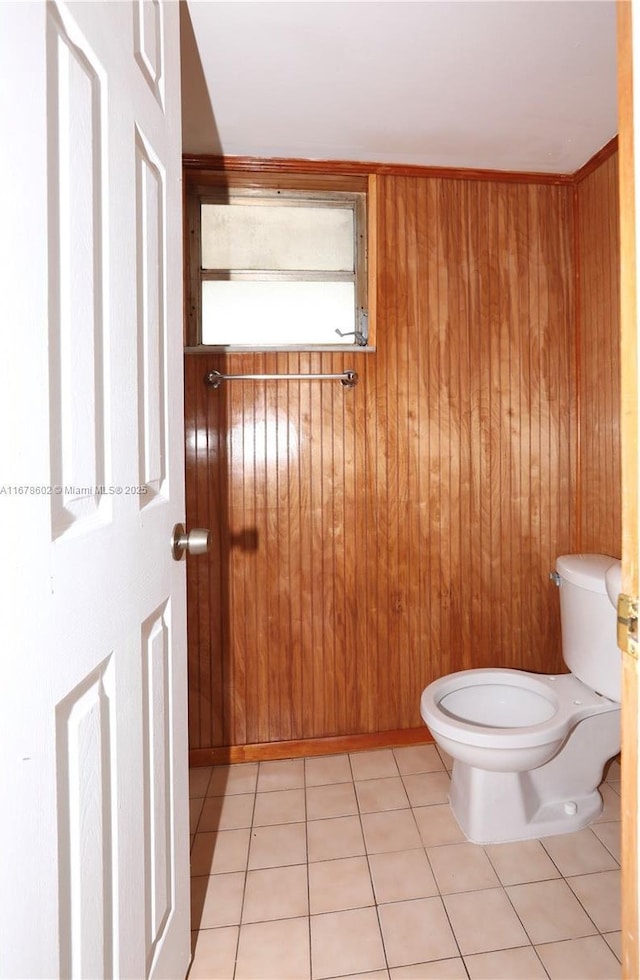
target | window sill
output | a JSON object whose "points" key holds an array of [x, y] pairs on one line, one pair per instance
{"points": [[301, 349]]}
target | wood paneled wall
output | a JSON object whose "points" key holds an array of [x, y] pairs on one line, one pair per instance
{"points": [[598, 265], [371, 540]]}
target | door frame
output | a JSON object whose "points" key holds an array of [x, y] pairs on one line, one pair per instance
{"points": [[628, 45]]}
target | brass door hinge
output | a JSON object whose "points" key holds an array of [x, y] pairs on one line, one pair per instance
{"points": [[628, 624]]}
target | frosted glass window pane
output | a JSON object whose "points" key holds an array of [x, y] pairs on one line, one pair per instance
{"points": [[276, 314], [245, 236]]}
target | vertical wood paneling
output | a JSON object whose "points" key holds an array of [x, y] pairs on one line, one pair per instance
{"points": [[207, 581], [373, 539], [599, 353]]}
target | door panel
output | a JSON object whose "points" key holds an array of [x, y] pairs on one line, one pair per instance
{"points": [[151, 270], [86, 790], [78, 327], [95, 882]]}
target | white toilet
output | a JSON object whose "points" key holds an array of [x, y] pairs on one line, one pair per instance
{"points": [[529, 749]]}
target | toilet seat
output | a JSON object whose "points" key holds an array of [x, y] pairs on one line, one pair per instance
{"points": [[529, 749], [471, 710]]}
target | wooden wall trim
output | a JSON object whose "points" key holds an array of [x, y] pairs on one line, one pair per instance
{"points": [[205, 162], [199, 179], [596, 160], [306, 747]]}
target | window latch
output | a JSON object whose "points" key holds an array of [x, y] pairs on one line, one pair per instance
{"points": [[361, 335]]}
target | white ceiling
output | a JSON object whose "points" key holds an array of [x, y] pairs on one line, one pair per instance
{"points": [[526, 85]]}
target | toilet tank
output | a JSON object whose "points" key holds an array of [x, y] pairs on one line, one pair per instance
{"points": [[588, 617]]}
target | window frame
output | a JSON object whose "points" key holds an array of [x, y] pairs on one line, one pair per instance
{"points": [[218, 186]]}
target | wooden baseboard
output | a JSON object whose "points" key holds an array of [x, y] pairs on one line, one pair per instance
{"points": [[263, 751]]}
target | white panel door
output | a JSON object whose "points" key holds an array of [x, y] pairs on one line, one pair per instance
{"points": [[93, 752]]}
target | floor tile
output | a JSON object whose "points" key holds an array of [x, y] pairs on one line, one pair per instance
{"points": [[343, 943], [341, 884], [217, 853], [418, 758], [373, 765], [461, 868], [600, 895], [214, 955], [333, 800], [521, 963], [579, 853], [426, 788], [579, 959], [437, 825], [376, 827], [614, 940], [549, 911], [610, 835], [276, 893], [336, 838], [401, 875], [281, 774], [447, 760], [232, 780], [416, 931], [198, 781], [277, 950], [226, 813], [216, 900], [451, 969], [327, 769], [277, 845], [375, 795], [521, 861], [282, 806], [395, 830], [483, 921]]}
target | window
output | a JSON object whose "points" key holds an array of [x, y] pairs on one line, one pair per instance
{"points": [[278, 267]]}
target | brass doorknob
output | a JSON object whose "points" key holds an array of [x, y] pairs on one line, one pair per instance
{"points": [[195, 542]]}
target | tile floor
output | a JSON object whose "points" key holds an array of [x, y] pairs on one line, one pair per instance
{"points": [[353, 866]]}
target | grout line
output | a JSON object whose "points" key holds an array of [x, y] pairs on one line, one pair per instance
{"points": [[306, 839], [246, 873], [376, 904]]}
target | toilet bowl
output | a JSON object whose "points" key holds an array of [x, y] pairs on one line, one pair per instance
{"points": [[529, 749]]}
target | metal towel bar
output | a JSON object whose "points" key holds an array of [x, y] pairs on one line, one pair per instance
{"points": [[214, 378]]}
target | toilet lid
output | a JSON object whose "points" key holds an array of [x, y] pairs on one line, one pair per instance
{"points": [[585, 571]]}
